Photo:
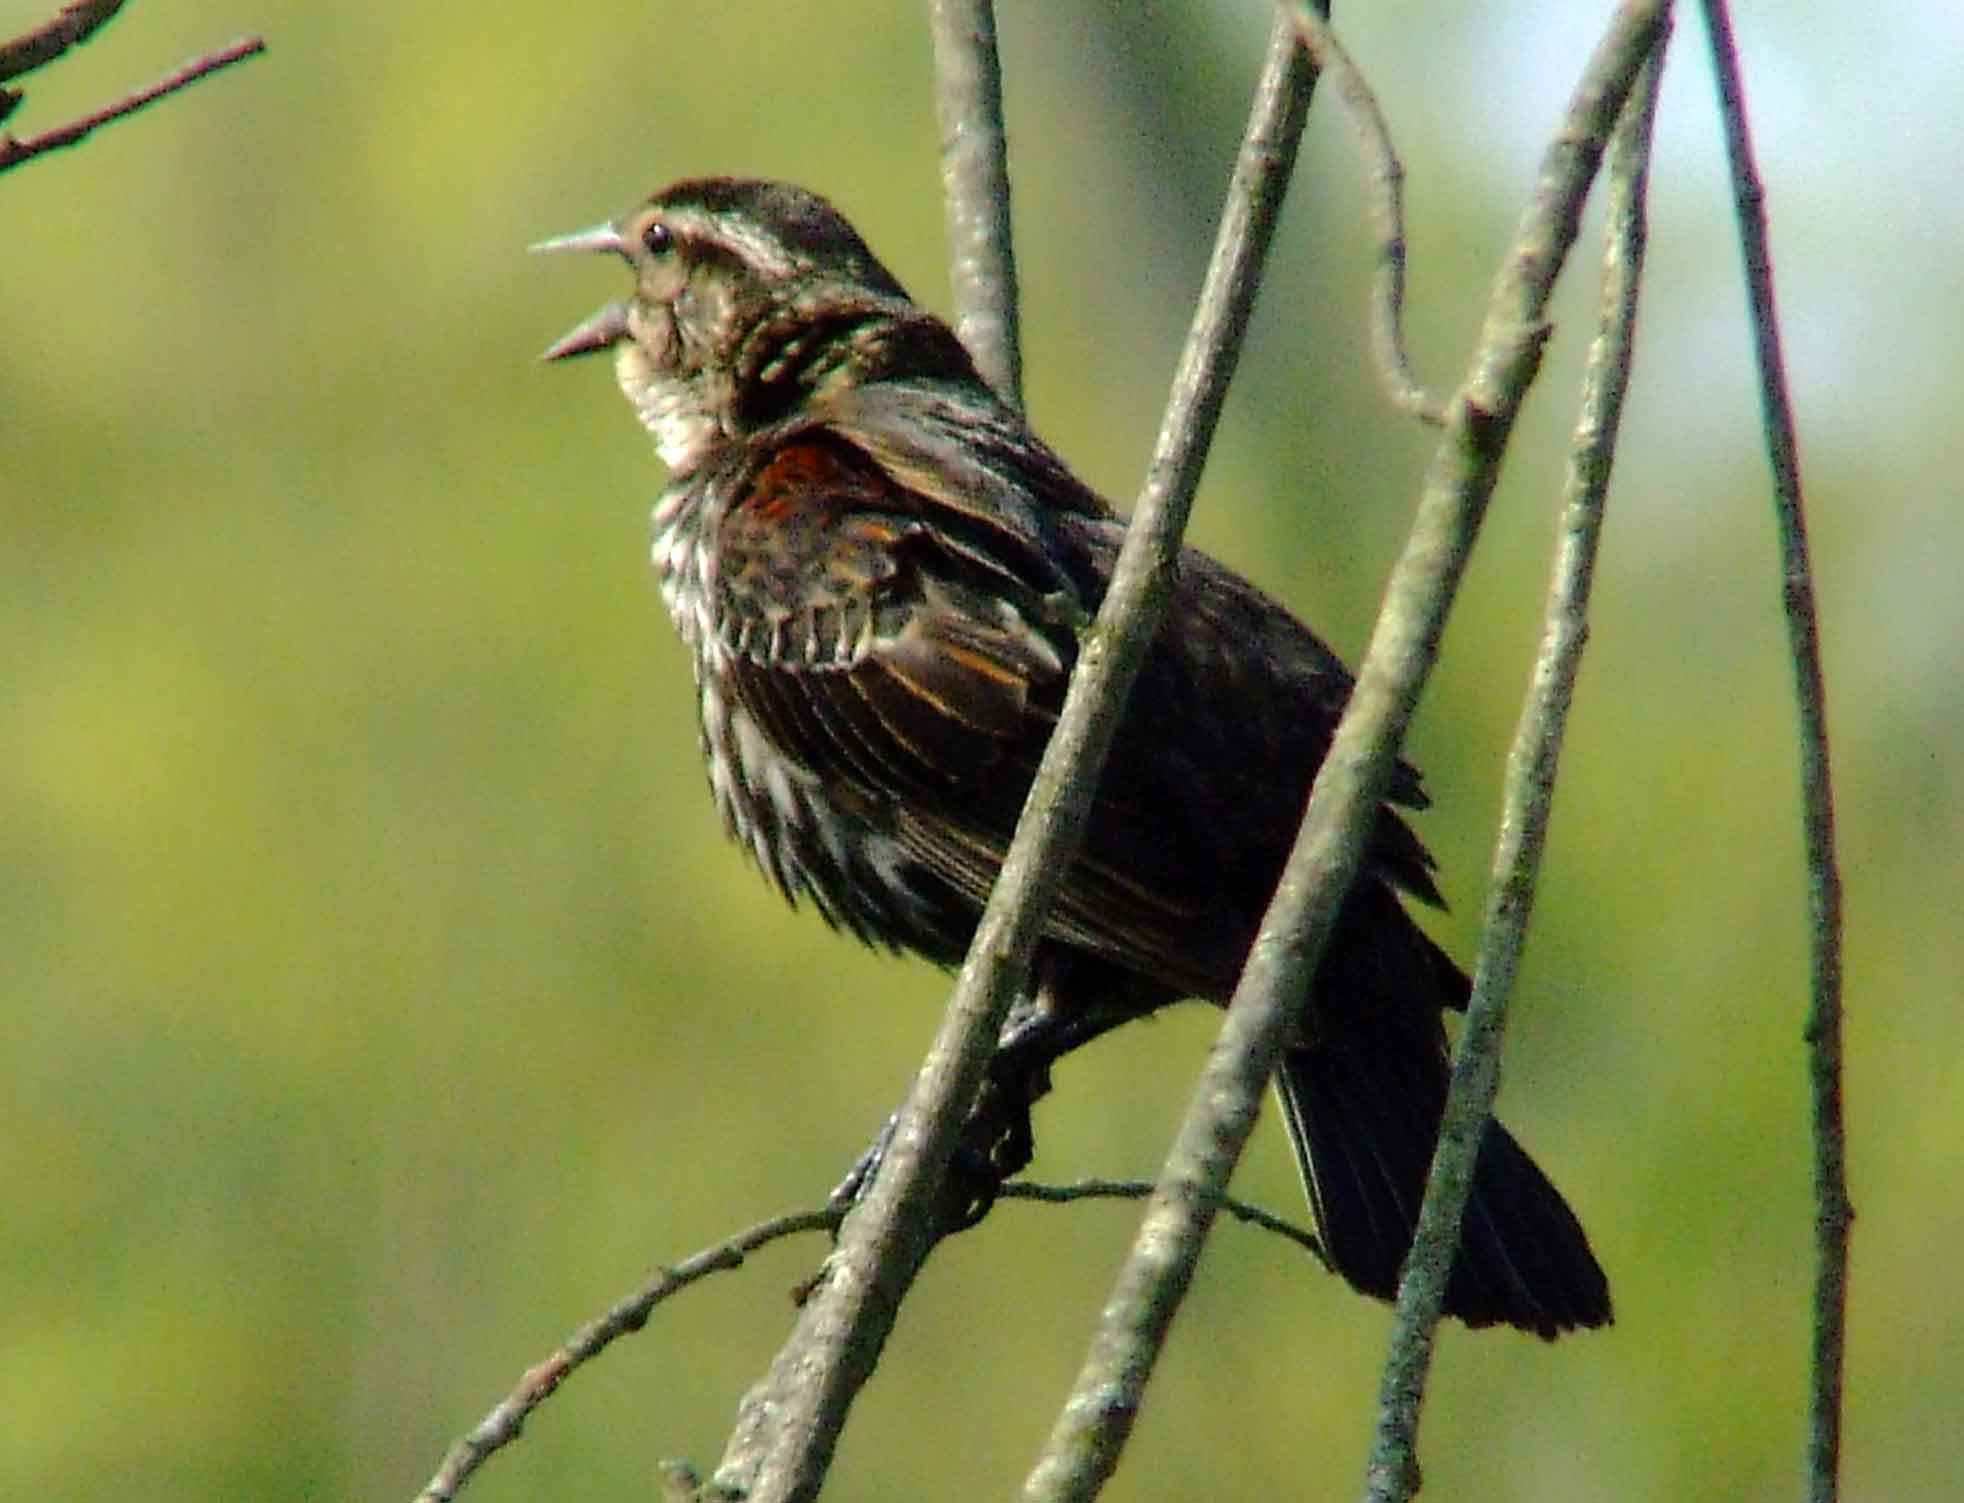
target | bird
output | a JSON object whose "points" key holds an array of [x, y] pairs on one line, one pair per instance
{"points": [[881, 574]]}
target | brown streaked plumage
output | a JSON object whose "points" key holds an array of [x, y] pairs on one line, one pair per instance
{"points": [[878, 570]]}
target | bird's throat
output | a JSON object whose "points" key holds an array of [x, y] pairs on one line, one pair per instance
{"points": [[675, 410]]}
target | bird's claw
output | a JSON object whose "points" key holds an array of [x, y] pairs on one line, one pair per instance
{"points": [[859, 1179]]}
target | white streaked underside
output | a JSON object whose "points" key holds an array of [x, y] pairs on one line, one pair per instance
{"points": [[684, 430]]}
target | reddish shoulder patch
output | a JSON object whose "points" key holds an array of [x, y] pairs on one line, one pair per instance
{"points": [[803, 475]]}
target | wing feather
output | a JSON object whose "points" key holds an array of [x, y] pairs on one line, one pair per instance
{"points": [[900, 634]]}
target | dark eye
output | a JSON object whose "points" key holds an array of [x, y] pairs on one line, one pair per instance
{"points": [[658, 238]]}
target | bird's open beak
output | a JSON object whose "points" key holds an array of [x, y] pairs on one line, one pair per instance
{"points": [[603, 331], [606, 328]]}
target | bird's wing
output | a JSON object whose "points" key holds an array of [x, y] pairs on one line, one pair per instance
{"points": [[908, 640], [900, 649]]}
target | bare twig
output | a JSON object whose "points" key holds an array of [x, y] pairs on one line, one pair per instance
{"points": [[13, 152], [975, 189], [789, 1423], [70, 26], [1832, 1210], [1387, 182], [631, 1312], [1140, 1189], [1531, 768], [1091, 1431], [502, 1425]]}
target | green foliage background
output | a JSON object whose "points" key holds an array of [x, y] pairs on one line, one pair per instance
{"points": [[379, 999]]}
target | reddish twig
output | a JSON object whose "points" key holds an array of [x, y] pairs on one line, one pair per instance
{"points": [[73, 23], [14, 151]]}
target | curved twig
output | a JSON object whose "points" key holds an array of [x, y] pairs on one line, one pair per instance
{"points": [[1387, 195]]}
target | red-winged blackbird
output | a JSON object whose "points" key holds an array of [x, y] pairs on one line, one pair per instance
{"points": [[877, 568]]}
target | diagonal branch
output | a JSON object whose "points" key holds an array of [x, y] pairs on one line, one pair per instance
{"points": [[501, 1426], [1091, 1431], [1833, 1213], [1348, 790], [69, 27], [789, 1423], [1531, 768], [975, 188], [15, 151]]}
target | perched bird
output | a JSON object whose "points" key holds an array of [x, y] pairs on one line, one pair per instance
{"points": [[878, 568]]}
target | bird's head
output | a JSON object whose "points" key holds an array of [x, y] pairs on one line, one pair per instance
{"points": [[750, 299]]}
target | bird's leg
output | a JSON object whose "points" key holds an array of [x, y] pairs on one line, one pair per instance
{"points": [[998, 1140], [1040, 1030]]}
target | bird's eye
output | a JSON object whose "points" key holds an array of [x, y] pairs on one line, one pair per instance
{"points": [[658, 238]]}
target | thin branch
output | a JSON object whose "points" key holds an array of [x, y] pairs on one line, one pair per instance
{"points": [[1092, 1428], [631, 1312], [1393, 1469], [69, 27], [502, 1425], [13, 152], [975, 188], [1833, 1212], [1140, 1189], [788, 1425], [1387, 184], [1347, 792]]}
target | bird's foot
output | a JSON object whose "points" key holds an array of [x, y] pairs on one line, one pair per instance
{"points": [[996, 1141]]}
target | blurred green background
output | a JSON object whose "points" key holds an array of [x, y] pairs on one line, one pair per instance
{"points": [[381, 1000]]}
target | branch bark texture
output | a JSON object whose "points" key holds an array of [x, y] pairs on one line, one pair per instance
{"points": [[69, 27]]}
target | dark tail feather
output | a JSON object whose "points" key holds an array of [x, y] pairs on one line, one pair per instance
{"points": [[1363, 1116]]}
